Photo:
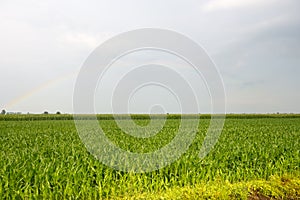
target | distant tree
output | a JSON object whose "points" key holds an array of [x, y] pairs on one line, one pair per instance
{"points": [[3, 112], [58, 113], [46, 112]]}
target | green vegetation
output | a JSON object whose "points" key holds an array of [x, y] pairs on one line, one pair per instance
{"points": [[33, 117], [41, 156], [285, 187]]}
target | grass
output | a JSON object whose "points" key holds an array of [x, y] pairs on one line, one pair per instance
{"points": [[285, 187], [41, 156]]}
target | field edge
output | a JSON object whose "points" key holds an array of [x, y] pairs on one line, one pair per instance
{"points": [[283, 187]]}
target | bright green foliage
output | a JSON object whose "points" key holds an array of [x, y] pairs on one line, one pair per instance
{"points": [[285, 187], [43, 157]]}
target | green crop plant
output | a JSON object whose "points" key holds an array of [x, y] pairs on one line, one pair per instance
{"points": [[42, 156]]}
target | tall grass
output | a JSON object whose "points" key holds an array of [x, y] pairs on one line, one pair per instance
{"points": [[42, 158]]}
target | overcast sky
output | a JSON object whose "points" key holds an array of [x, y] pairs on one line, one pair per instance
{"points": [[254, 44]]}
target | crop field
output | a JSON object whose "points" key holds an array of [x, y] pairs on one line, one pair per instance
{"points": [[257, 156]]}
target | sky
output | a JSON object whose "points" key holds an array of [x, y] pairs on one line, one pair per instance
{"points": [[254, 44]]}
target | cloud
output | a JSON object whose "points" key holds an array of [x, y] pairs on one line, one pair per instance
{"points": [[250, 41], [217, 5], [83, 39]]}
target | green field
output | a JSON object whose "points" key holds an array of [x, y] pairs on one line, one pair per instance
{"points": [[42, 156]]}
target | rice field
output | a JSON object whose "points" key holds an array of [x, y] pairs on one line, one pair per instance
{"points": [[42, 157]]}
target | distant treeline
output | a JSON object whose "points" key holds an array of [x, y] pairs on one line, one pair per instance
{"points": [[33, 117]]}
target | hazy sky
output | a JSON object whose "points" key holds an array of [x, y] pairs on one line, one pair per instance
{"points": [[254, 43]]}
